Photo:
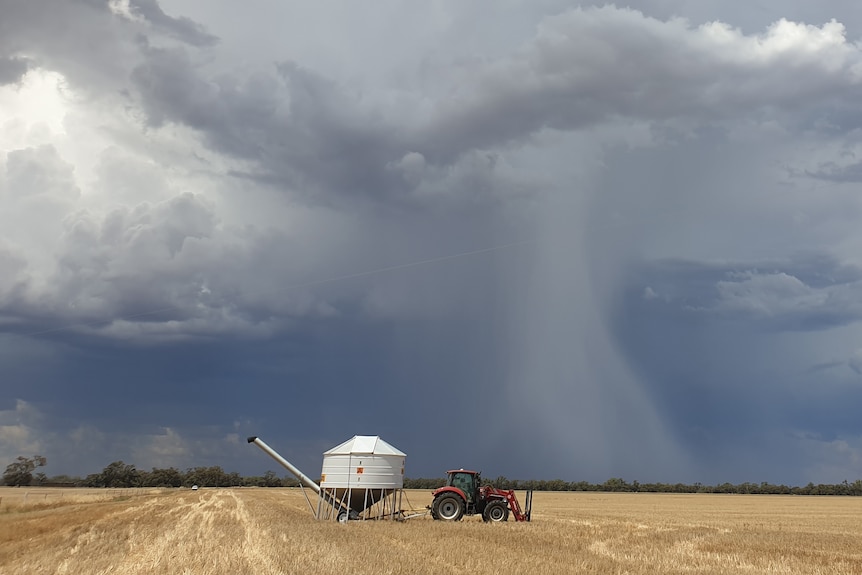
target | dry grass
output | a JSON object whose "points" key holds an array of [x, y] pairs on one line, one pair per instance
{"points": [[271, 531]]}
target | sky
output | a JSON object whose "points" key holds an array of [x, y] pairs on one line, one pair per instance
{"points": [[536, 238]]}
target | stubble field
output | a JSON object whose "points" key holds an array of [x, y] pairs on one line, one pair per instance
{"points": [[272, 531]]}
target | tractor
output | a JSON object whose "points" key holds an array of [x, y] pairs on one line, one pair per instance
{"points": [[464, 494]]}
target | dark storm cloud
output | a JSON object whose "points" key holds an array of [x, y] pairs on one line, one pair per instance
{"points": [[12, 69], [834, 172], [173, 91], [154, 268], [89, 42], [583, 68], [300, 128], [170, 307], [381, 372], [181, 28], [49, 35], [588, 66], [804, 293], [737, 379], [38, 189], [306, 133]]}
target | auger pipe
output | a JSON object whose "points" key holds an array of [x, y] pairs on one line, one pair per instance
{"points": [[303, 478], [339, 506]]}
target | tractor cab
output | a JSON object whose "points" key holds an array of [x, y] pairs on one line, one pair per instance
{"points": [[466, 481]]}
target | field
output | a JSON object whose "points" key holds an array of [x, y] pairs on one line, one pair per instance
{"points": [[271, 531]]}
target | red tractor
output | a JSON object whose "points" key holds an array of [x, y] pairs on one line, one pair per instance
{"points": [[462, 495]]}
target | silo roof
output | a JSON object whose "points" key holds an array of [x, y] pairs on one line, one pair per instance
{"points": [[364, 444]]}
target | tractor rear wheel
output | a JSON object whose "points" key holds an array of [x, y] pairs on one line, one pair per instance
{"points": [[496, 511], [448, 507]]}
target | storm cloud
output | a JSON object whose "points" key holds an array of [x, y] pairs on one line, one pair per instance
{"points": [[578, 242]]}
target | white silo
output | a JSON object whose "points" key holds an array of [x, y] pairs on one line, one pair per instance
{"points": [[366, 474]]}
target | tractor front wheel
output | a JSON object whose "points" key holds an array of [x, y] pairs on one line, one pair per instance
{"points": [[496, 511], [448, 507]]}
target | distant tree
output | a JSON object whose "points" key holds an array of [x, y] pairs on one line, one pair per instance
{"points": [[20, 472], [270, 479], [423, 483], [501, 482], [725, 487], [213, 476], [119, 474], [64, 479], [616, 484], [170, 477], [580, 486], [93, 480]]}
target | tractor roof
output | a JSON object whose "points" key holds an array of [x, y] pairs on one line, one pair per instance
{"points": [[462, 471]]}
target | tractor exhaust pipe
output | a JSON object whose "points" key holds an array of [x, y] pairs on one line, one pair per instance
{"points": [[303, 478]]}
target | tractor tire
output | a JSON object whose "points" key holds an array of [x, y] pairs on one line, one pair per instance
{"points": [[448, 507], [496, 511]]}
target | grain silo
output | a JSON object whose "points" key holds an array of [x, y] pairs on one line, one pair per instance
{"points": [[366, 474]]}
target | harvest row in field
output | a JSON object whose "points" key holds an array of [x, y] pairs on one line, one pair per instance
{"points": [[269, 531]]}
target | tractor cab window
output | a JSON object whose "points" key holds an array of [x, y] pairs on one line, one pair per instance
{"points": [[465, 482]]}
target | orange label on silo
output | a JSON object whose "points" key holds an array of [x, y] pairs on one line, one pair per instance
{"points": [[359, 470]]}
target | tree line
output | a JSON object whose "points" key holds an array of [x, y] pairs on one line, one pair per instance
{"points": [[619, 485], [22, 472], [120, 474]]}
